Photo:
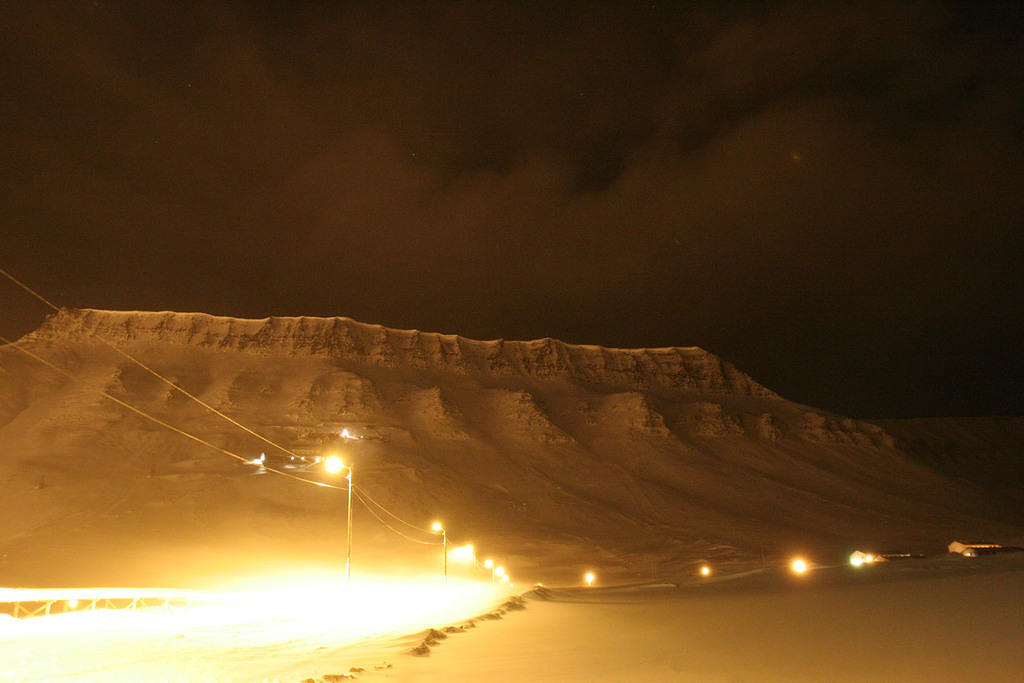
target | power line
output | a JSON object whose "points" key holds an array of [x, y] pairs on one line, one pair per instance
{"points": [[162, 423], [411, 526], [238, 424], [28, 289], [150, 370], [393, 529]]}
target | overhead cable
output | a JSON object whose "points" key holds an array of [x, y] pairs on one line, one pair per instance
{"points": [[206, 405], [160, 422], [151, 371], [359, 496]]}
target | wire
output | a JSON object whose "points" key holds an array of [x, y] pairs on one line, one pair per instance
{"points": [[160, 422], [125, 354], [359, 492], [28, 289], [151, 371], [381, 520], [392, 514]]}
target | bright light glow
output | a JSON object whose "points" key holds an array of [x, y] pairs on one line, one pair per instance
{"points": [[705, 571], [333, 464], [463, 553], [589, 578], [489, 564], [73, 603], [858, 558], [798, 566], [504, 577], [345, 434], [314, 609], [436, 526], [500, 571]]}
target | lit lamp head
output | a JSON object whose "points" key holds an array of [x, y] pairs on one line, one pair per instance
{"points": [[798, 566], [489, 564], [589, 578], [705, 571], [436, 526], [333, 464], [500, 571]]}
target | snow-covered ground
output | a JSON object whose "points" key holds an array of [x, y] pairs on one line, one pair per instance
{"points": [[927, 620], [272, 632], [926, 623], [550, 458]]}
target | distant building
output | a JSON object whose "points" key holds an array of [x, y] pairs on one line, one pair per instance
{"points": [[859, 557], [975, 549]]}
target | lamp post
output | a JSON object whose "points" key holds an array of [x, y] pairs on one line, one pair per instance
{"points": [[438, 528], [333, 465]]}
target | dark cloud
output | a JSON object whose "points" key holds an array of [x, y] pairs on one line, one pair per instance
{"points": [[828, 194]]}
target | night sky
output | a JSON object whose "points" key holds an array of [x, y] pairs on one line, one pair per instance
{"points": [[830, 196]]}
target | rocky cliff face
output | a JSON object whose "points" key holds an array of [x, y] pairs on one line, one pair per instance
{"points": [[687, 368]]}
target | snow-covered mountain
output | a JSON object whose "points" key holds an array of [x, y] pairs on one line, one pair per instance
{"points": [[640, 461]]}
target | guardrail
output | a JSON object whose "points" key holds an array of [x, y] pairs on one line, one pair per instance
{"points": [[24, 603]]}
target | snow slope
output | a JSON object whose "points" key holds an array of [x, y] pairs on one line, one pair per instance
{"points": [[639, 462], [986, 451]]}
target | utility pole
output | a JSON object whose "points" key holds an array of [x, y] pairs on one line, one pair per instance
{"points": [[348, 534]]}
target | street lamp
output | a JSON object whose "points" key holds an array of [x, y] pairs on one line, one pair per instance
{"points": [[489, 564], [333, 465], [438, 528]]}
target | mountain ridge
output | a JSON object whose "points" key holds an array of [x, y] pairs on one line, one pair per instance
{"points": [[673, 367], [548, 452]]}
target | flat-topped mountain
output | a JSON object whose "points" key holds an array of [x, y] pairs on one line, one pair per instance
{"points": [[639, 461], [348, 340]]}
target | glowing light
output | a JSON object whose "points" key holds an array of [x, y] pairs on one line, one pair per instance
{"points": [[345, 434], [312, 608], [436, 526], [705, 571], [799, 566], [333, 464], [73, 603], [589, 578], [463, 553], [499, 571], [489, 564], [505, 578], [858, 558]]}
